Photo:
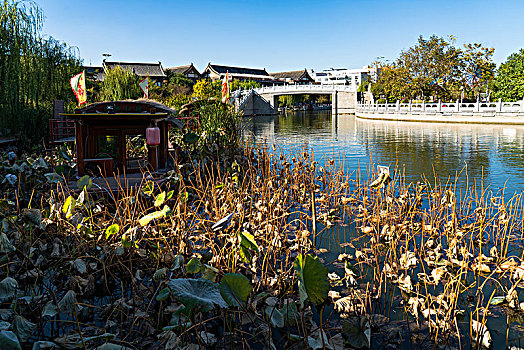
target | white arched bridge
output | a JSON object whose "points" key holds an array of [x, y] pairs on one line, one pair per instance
{"points": [[264, 100]]}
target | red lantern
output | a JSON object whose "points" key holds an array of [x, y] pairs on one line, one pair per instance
{"points": [[153, 136]]}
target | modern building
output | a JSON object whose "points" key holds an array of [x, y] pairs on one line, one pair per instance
{"points": [[189, 71], [154, 71], [344, 76], [297, 77], [216, 72]]}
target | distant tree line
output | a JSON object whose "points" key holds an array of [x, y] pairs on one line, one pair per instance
{"points": [[436, 68]]}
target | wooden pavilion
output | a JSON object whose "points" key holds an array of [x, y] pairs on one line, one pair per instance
{"points": [[111, 136]]}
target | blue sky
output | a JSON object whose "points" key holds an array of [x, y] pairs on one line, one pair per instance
{"points": [[276, 35]]}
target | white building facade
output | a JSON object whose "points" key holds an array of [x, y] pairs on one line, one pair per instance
{"points": [[344, 76]]}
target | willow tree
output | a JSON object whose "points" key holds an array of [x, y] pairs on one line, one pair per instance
{"points": [[34, 70], [120, 84]]}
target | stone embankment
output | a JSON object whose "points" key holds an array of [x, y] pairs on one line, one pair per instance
{"points": [[509, 113]]}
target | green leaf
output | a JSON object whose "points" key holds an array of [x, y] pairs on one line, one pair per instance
{"points": [[275, 316], [357, 331], [8, 288], [198, 294], [148, 188], [248, 241], [159, 200], [5, 244], [245, 255], [169, 195], [23, 328], [312, 279], [84, 182], [154, 215], [163, 294], [160, 274], [34, 216], [50, 309], [178, 262], [497, 300], [235, 288], [68, 207], [67, 304], [112, 230], [9, 341], [209, 272], [190, 138], [193, 266]]}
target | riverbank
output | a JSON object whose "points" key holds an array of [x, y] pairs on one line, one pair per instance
{"points": [[500, 118]]}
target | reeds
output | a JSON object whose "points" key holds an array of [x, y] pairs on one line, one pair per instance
{"points": [[427, 255]]}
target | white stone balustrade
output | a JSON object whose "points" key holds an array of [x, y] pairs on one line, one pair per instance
{"points": [[456, 107]]}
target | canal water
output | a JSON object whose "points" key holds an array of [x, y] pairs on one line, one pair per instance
{"points": [[493, 154], [488, 154]]}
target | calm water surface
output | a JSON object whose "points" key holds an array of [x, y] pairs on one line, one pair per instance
{"points": [[494, 153], [491, 154]]}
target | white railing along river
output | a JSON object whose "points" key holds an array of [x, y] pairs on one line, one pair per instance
{"points": [[442, 107]]}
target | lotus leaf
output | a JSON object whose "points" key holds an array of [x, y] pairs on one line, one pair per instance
{"points": [[9, 341], [193, 266], [197, 293], [84, 182], [159, 200], [154, 215], [358, 331], [312, 279], [23, 328], [235, 288], [67, 304], [5, 245], [112, 230], [8, 288], [190, 138]]}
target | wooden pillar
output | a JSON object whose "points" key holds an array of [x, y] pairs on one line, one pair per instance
{"points": [[80, 142]]}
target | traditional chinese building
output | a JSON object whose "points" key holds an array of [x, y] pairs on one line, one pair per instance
{"points": [[154, 71], [297, 77], [217, 72], [189, 71]]}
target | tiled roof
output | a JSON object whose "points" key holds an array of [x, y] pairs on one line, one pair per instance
{"points": [[237, 70], [153, 70], [180, 69], [95, 73], [293, 75]]}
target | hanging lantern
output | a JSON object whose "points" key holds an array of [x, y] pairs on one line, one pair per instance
{"points": [[153, 136]]}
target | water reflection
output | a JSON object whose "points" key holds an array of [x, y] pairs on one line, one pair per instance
{"points": [[492, 152]]}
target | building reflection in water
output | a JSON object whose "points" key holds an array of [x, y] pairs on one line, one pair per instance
{"points": [[492, 152]]}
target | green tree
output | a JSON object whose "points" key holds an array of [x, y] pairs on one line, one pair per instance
{"points": [[120, 84], [509, 82], [434, 67], [33, 70]]}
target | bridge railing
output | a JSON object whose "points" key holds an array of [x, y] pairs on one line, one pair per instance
{"points": [[443, 107], [303, 87]]}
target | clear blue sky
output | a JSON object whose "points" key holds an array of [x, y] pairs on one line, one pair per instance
{"points": [[276, 35]]}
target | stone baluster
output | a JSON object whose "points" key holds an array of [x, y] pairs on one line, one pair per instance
{"points": [[409, 105], [423, 105], [499, 105], [439, 105], [458, 106], [477, 106], [398, 106]]}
